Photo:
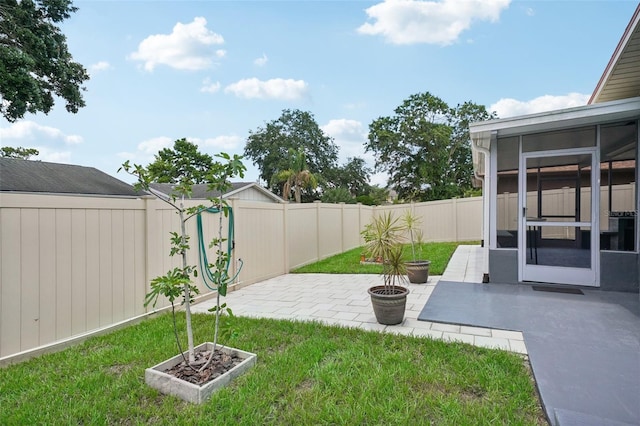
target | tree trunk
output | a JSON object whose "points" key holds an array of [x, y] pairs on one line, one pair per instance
{"points": [[187, 290]]}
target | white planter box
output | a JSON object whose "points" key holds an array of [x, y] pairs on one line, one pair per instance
{"points": [[170, 385]]}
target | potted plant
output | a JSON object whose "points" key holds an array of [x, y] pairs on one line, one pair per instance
{"points": [[417, 269], [383, 239], [194, 374]]}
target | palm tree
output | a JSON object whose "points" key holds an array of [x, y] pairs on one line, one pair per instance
{"points": [[296, 177]]}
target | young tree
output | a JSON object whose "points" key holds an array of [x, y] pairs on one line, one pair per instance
{"points": [[425, 147], [269, 147], [19, 152], [172, 165], [34, 58], [177, 283]]}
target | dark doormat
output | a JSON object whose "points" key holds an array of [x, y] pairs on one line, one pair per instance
{"points": [[566, 290]]}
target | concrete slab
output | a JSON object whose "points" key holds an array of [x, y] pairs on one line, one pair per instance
{"points": [[584, 349]]}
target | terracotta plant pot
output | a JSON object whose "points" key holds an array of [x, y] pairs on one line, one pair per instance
{"points": [[389, 308], [418, 271]]}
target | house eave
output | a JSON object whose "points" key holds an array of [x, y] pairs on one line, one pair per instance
{"points": [[559, 119]]}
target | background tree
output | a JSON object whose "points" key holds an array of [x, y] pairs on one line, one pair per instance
{"points": [[425, 147], [297, 177], [354, 176], [18, 152], [375, 197], [35, 63], [269, 147], [338, 195], [172, 164]]}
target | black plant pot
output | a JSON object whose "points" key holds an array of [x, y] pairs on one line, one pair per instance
{"points": [[389, 308], [418, 271]]}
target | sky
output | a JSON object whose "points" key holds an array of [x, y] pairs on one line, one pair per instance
{"points": [[213, 71]]}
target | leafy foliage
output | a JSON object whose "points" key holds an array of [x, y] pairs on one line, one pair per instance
{"points": [[183, 161], [19, 152], [297, 177], [269, 147], [35, 63], [425, 147], [338, 195], [354, 175]]}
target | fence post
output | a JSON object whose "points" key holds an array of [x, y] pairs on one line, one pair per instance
{"points": [[360, 224], [285, 228], [342, 230], [318, 206], [454, 206]]}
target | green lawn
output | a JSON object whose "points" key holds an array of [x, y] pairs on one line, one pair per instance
{"points": [[349, 261], [307, 374]]}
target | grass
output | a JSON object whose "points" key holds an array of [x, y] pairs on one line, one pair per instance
{"points": [[307, 374], [349, 261]]}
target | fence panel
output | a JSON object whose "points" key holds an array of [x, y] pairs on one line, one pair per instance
{"points": [[351, 226], [259, 230], [67, 265], [469, 219], [75, 264], [330, 226], [302, 233]]}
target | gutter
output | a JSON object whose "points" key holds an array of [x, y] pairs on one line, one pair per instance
{"points": [[486, 205]]}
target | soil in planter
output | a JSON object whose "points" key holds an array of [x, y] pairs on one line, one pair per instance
{"points": [[220, 364]]}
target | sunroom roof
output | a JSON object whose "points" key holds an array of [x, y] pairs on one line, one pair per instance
{"points": [[606, 112]]}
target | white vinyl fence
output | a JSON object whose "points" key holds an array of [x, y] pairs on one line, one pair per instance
{"points": [[75, 265]]}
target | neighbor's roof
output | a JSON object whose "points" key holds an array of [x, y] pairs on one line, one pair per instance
{"points": [[621, 77], [201, 192], [41, 177]]}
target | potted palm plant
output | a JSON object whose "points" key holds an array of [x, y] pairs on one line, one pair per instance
{"points": [[383, 239], [417, 269]]}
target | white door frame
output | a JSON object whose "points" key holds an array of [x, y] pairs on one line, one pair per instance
{"points": [[559, 274]]}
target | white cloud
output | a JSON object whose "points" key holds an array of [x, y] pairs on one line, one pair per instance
{"points": [[225, 142], [73, 139], [99, 66], [261, 61], [153, 145], [29, 130], [431, 22], [188, 47], [146, 150], [511, 107], [350, 136], [276, 88], [53, 156], [209, 87]]}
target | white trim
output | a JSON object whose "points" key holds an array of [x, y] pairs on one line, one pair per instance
{"points": [[558, 119], [493, 197], [265, 191]]}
